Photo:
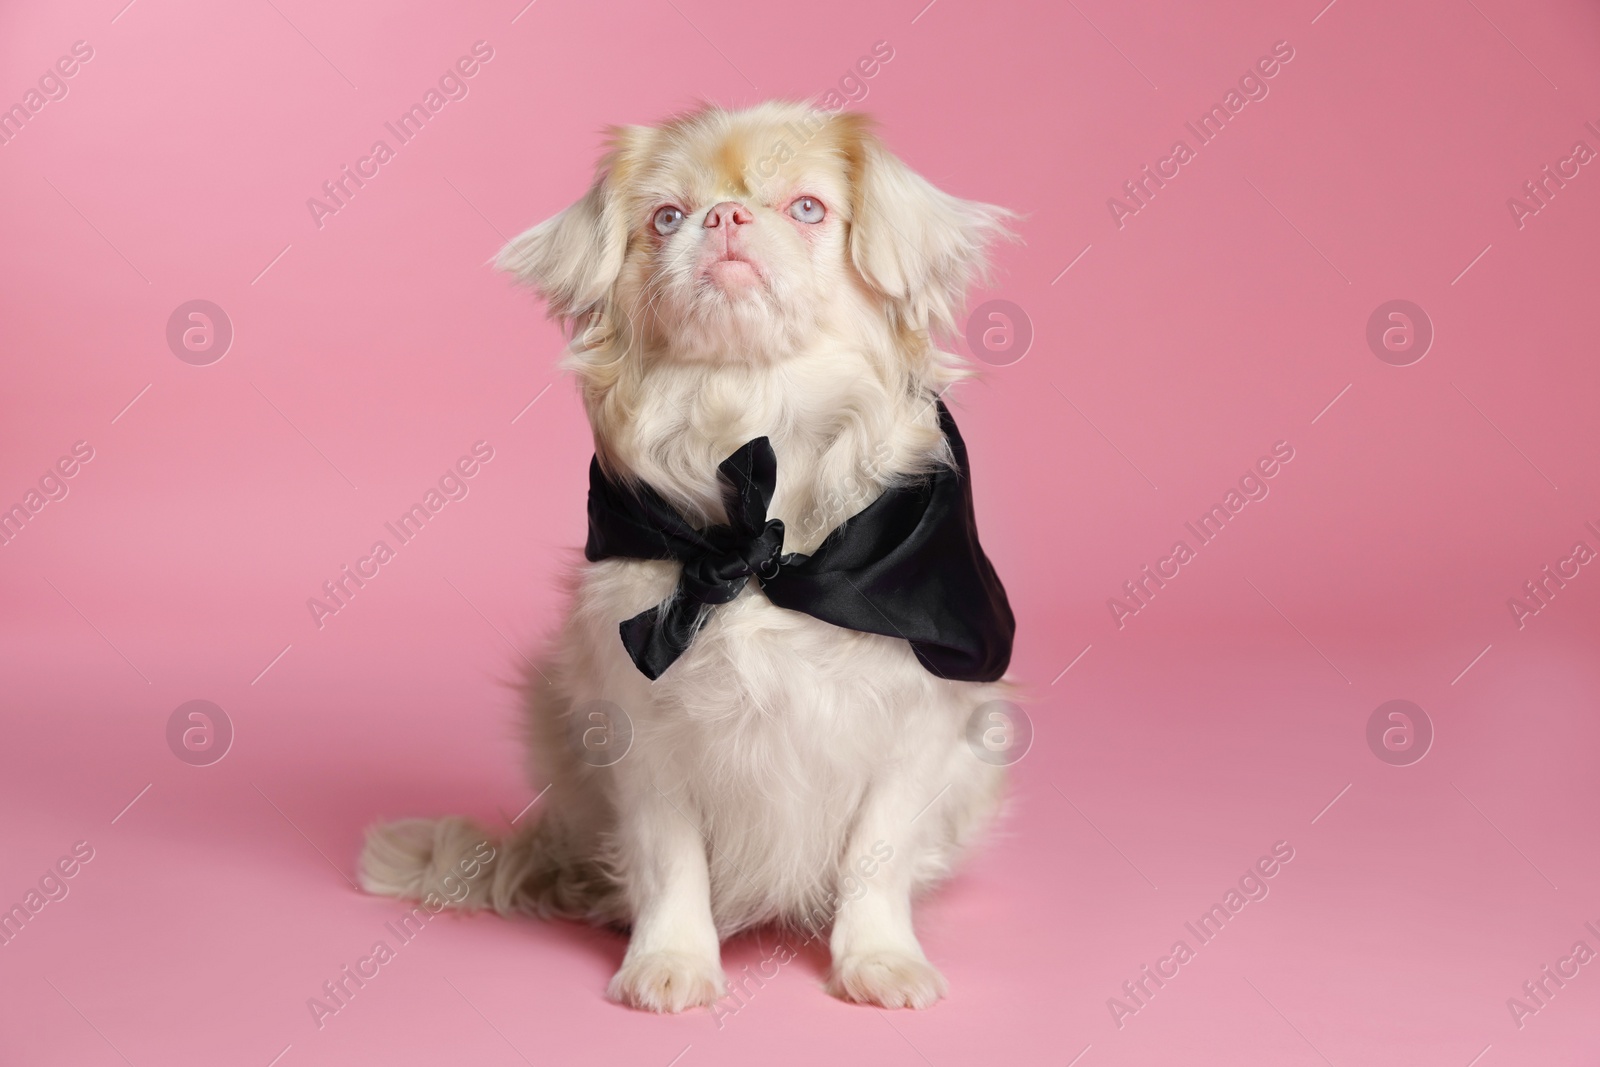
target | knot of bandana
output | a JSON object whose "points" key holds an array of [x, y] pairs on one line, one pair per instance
{"points": [[720, 575]]}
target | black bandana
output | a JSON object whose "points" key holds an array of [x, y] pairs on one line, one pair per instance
{"points": [[909, 565]]}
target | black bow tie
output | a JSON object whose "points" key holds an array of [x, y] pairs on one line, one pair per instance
{"points": [[908, 566]]}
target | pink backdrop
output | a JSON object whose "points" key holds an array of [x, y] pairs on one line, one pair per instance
{"points": [[1174, 345]]}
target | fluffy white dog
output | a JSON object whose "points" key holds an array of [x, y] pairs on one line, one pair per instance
{"points": [[730, 275]]}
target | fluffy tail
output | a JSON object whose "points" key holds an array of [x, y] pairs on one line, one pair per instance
{"points": [[453, 859], [461, 865]]}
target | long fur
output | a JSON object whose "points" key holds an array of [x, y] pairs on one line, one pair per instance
{"points": [[780, 739]]}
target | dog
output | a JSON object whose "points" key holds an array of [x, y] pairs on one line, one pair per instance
{"points": [[775, 271]]}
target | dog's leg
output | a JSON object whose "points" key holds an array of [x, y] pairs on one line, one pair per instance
{"points": [[876, 956], [673, 960]]}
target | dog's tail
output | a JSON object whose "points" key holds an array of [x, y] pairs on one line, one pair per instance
{"points": [[454, 862]]}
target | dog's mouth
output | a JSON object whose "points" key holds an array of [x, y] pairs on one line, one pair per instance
{"points": [[732, 270]]}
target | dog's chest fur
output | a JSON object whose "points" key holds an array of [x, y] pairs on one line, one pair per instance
{"points": [[840, 437], [772, 725]]}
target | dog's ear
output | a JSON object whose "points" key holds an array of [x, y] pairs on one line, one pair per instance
{"points": [[573, 259], [915, 244]]}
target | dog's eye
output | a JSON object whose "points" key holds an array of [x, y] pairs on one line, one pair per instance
{"points": [[807, 209], [667, 219]]}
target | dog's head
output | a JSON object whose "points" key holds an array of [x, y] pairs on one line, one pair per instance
{"points": [[749, 235]]}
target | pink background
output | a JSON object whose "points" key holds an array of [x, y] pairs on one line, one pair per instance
{"points": [[1223, 317]]}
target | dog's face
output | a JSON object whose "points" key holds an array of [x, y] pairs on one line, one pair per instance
{"points": [[739, 235], [749, 235]]}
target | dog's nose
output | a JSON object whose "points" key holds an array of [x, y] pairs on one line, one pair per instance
{"points": [[730, 210]]}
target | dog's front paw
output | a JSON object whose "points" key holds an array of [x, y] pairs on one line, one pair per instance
{"points": [[888, 979], [667, 981]]}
